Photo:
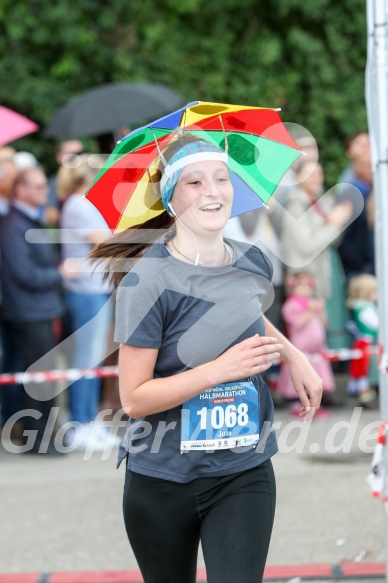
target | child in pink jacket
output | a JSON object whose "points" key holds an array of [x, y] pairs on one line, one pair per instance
{"points": [[305, 321]]}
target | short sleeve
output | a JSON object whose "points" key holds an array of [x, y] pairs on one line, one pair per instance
{"points": [[139, 315], [251, 258], [268, 264]]}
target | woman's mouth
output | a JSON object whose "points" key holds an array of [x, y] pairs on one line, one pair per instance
{"points": [[211, 207]]}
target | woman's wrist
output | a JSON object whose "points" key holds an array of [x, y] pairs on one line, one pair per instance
{"points": [[211, 373], [289, 352]]}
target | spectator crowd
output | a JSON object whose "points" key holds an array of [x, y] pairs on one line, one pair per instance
{"points": [[49, 291], [322, 251]]}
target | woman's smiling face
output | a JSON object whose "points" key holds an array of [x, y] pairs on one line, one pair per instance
{"points": [[203, 196]]}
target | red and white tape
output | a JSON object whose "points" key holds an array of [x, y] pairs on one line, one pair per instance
{"points": [[72, 374]]}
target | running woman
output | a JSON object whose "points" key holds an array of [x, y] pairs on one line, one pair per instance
{"points": [[193, 345]]}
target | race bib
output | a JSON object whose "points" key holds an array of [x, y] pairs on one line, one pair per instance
{"points": [[223, 417]]}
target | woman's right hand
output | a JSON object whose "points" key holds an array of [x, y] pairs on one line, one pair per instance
{"points": [[247, 358], [340, 214], [70, 268]]}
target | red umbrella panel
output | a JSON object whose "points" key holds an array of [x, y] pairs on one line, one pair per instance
{"points": [[259, 148]]}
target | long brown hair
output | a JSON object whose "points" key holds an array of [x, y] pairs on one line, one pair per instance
{"points": [[119, 253]]}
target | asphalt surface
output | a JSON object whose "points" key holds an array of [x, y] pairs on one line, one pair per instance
{"points": [[64, 514]]}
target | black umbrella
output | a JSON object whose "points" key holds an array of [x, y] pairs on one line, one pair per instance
{"points": [[109, 107]]}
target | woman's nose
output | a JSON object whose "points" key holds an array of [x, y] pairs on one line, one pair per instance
{"points": [[211, 188]]}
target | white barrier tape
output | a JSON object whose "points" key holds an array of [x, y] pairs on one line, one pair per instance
{"points": [[72, 374]]}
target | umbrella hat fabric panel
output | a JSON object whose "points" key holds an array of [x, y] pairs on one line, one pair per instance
{"points": [[14, 126], [259, 148], [109, 107]]}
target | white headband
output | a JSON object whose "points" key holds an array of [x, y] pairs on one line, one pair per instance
{"points": [[191, 159]]}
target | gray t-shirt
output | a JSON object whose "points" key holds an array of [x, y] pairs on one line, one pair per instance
{"points": [[192, 314]]}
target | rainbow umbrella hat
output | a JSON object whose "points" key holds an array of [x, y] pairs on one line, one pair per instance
{"points": [[259, 147]]}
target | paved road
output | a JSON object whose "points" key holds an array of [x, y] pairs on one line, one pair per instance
{"points": [[65, 514]]}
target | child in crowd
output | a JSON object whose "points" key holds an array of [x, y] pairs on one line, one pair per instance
{"points": [[363, 373], [305, 321]]}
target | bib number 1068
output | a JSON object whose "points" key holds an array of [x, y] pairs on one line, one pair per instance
{"points": [[220, 417]]}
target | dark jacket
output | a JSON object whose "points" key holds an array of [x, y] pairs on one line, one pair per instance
{"points": [[31, 281], [357, 247]]}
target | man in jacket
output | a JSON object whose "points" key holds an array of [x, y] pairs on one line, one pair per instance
{"points": [[32, 298], [10, 395]]}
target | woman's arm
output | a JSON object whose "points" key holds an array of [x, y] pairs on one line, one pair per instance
{"points": [[307, 383], [142, 395]]}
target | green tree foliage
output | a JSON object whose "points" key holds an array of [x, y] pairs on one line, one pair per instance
{"points": [[306, 57]]}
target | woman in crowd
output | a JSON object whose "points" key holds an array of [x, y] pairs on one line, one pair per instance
{"points": [[311, 224], [87, 300]]}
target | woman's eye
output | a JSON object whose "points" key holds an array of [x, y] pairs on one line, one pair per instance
{"points": [[195, 182]]}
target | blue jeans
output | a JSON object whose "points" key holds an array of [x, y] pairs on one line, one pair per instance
{"points": [[90, 322]]}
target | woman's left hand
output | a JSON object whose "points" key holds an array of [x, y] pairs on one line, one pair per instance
{"points": [[307, 383]]}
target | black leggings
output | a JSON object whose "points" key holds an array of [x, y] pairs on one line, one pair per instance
{"points": [[232, 516]]}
